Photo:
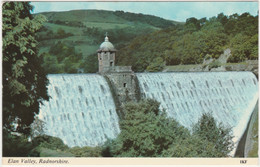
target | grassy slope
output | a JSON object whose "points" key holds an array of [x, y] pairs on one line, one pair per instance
{"points": [[104, 20], [84, 16], [191, 66], [253, 151]]}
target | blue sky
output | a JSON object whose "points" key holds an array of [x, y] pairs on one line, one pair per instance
{"points": [[178, 11]]}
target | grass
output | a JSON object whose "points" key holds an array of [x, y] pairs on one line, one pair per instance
{"points": [[45, 152], [241, 63], [190, 66], [254, 151], [85, 15], [87, 49], [106, 26], [54, 27], [180, 67]]}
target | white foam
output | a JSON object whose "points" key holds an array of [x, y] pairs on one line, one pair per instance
{"points": [[230, 96], [81, 110]]}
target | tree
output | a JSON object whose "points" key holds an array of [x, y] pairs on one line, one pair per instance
{"points": [[24, 81], [216, 135], [145, 131], [208, 139], [192, 146], [238, 48], [156, 65], [193, 21]]}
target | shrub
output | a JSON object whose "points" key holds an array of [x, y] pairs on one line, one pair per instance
{"points": [[15, 146], [85, 151], [50, 142], [214, 64]]}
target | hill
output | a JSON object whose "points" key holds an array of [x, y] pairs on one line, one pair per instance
{"points": [[194, 42], [68, 40]]}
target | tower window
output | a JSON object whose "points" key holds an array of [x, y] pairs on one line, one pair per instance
{"points": [[111, 63], [125, 85]]}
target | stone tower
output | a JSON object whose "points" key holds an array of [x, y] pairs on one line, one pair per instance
{"points": [[121, 79], [106, 56]]}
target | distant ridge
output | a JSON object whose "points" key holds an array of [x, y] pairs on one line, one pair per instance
{"points": [[94, 15]]}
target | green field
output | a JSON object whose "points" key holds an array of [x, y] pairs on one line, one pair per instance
{"points": [[82, 31]]}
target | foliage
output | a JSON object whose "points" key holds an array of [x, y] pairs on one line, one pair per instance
{"points": [[85, 151], [146, 131], [49, 34], [61, 58], [24, 81], [49, 142], [90, 64], [214, 64], [15, 145], [45, 152], [244, 48], [156, 65], [215, 134], [191, 42], [54, 147], [152, 20], [193, 146], [45, 145]]}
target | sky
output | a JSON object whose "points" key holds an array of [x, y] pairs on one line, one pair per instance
{"points": [[178, 11]]}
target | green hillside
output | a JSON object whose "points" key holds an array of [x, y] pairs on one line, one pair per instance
{"points": [[82, 31], [193, 42]]}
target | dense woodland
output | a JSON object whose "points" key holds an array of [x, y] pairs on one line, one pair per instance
{"points": [[193, 42], [153, 134]]}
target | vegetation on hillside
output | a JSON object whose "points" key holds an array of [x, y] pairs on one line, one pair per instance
{"points": [[193, 42], [83, 31]]}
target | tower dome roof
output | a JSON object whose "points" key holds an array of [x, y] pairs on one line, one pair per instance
{"points": [[106, 46]]}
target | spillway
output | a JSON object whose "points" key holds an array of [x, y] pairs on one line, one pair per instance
{"points": [[81, 110], [229, 96]]}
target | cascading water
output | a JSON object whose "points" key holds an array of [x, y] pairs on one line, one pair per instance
{"points": [[81, 110], [230, 96]]}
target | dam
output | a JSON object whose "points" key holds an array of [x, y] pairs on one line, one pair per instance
{"points": [[84, 109]]}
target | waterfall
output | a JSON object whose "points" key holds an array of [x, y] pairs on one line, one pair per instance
{"points": [[229, 96], [81, 110]]}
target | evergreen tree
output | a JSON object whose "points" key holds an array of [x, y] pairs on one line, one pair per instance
{"points": [[216, 135], [24, 81]]}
